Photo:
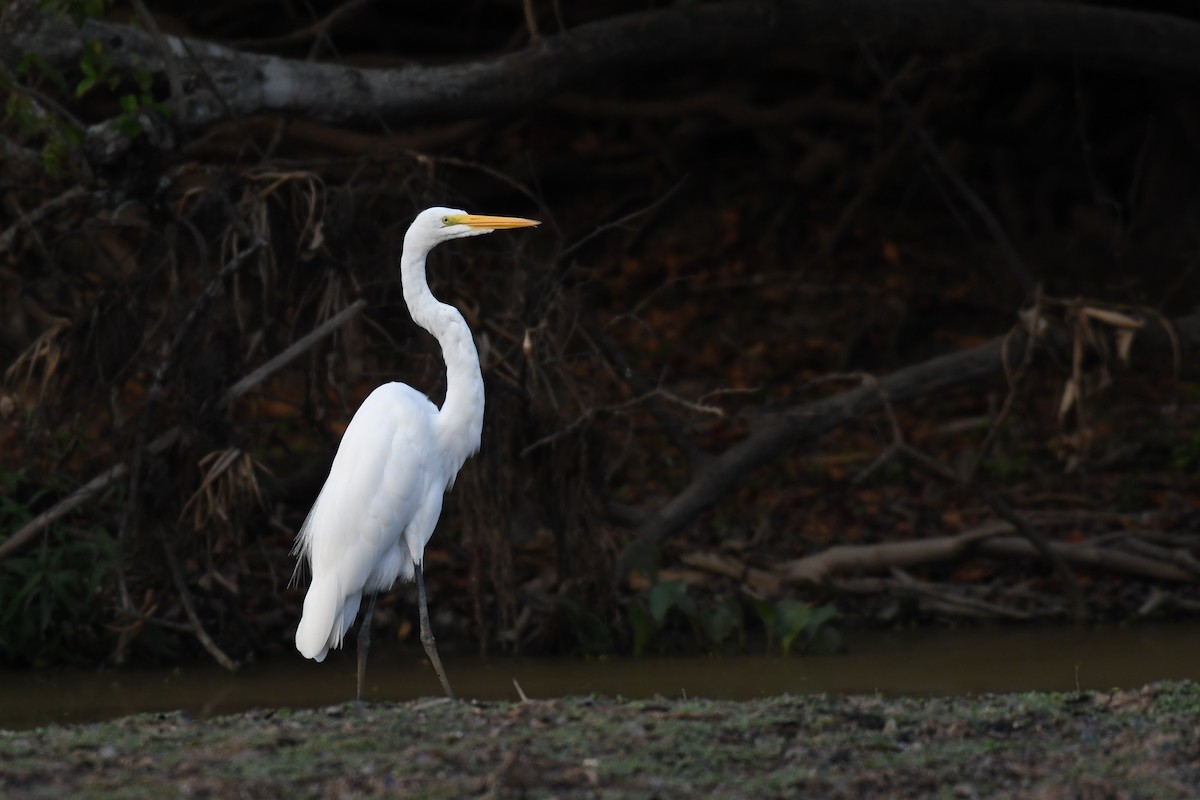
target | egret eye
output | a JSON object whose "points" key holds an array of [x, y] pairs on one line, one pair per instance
{"points": [[445, 220]]}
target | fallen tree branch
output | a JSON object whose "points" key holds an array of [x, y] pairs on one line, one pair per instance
{"points": [[226, 83], [993, 539], [900, 449], [844, 559], [1009, 515], [779, 433], [1084, 554], [759, 581], [1160, 600], [958, 601]]}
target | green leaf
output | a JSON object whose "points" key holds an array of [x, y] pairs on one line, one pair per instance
{"points": [[722, 621], [792, 618], [818, 618], [129, 103], [687, 606], [663, 596], [160, 108], [86, 84], [130, 126]]}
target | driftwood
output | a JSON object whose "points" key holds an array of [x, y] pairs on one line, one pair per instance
{"points": [[883, 569], [994, 539], [948, 599], [851, 559], [220, 82]]}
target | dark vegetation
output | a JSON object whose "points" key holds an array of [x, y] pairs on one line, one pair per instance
{"points": [[768, 356]]}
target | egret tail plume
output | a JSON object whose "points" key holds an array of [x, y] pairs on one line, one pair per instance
{"points": [[327, 616]]}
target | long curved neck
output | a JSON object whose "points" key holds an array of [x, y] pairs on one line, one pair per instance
{"points": [[460, 420]]}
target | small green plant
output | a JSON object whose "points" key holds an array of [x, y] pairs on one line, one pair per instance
{"points": [[36, 116], [788, 619], [648, 618], [714, 624], [32, 121], [49, 592], [711, 625], [721, 621]]}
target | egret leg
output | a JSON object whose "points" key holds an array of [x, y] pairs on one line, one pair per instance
{"points": [[364, 644], [427, 634]]}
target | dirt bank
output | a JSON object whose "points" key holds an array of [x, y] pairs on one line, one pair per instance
{"points": [[1127, 744]]}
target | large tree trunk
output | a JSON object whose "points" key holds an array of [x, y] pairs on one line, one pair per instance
{"points": [[222, 83]]}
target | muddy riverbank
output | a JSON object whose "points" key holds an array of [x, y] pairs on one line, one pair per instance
{"points": [[1135, 743]]}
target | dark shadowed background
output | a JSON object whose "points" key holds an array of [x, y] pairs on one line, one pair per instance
{"points": [[765, 371]]}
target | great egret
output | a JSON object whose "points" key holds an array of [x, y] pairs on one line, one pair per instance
{"points": [[398, 457]]}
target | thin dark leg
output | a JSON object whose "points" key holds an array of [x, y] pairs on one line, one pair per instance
{"points": [[427, 633], [364, 644]]}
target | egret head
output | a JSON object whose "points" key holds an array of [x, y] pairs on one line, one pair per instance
{"points": [[436, 225]]}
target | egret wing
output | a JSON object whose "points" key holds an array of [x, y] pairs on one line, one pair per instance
{"points": [[352, 537]]}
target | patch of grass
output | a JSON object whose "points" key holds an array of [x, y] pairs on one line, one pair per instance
{"points": [[1138, 744]]}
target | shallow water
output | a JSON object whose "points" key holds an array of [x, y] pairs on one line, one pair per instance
{"points": [[928, 662]]}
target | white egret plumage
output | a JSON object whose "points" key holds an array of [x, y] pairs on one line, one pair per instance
{"points": [[398, 457]]}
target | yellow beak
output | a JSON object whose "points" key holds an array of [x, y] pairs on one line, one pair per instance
{"points": [[494, 223]]}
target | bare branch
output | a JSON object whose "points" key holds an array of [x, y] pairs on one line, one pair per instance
{"points": [[243, 84], [1014, 385], [166, 440], [1016, 267], [616, 223], [189, 609], [296, 349], [1010, 515]]}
